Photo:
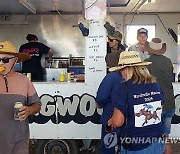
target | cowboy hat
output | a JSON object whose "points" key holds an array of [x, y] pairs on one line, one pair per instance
{"points": [[129, 58], [155, 47], [7, 47], [116, 35]]}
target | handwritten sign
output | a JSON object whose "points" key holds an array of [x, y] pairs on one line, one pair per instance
{"points": [[95, 52]]}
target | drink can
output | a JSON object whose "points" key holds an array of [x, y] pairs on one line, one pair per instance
{"points": [[17, 106], [28, 76]]}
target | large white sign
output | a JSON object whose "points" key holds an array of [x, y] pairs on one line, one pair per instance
{"points": [[95, 68]]}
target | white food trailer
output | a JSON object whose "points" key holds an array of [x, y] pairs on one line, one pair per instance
{"points": [[68, 112]]}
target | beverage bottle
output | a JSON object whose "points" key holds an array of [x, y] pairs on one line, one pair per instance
{"points": [[62, 77], [69, 77], [28, 76]]}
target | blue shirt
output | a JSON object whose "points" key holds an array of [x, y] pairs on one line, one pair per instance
{"points": [[103, 97], [144, 111]]}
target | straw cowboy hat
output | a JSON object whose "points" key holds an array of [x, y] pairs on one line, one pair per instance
{"points": [[155, 47], [129, 58], [7, 47]]}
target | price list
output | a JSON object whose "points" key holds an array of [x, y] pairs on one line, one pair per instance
{"points": [[95, 52]]}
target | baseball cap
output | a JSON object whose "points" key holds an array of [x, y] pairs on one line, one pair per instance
{"points": [[142, 31]]}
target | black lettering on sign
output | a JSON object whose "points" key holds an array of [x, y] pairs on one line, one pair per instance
{"points": [[80, 109], [176, 117]]}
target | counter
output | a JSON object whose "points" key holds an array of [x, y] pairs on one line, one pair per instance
{"points": [[69, 110]]}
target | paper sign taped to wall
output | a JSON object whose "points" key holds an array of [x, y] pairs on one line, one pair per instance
{"points": [[95, 9]]}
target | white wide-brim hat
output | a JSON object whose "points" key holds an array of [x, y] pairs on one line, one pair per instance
{"points": [[155, 47]]}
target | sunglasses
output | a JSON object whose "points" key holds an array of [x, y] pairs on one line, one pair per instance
{"points": [[6, 60], [111, 40]]}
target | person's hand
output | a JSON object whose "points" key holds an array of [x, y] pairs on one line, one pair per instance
{"points": [[97, 106], [50, 60], [24, 112], [110, 123]]}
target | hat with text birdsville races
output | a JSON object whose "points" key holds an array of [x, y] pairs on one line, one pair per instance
{"points": [[155, 47], [129, 58], [7, 47], [116, 35], [142, 31]]}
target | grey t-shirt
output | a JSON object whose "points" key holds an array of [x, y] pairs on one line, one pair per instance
{"points": [[14, 134], [143, 55], [162, 69]]}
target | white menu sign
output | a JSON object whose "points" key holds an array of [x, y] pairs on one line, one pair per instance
{"points": [[96, 49]]}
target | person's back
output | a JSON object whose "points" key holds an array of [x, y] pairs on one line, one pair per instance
{"points": [[143, 124], [137, 106], [162, 69], [36, 50]]}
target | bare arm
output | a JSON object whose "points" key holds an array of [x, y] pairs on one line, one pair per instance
{"points": [[117, 119], [26, 111], [50, 54]]}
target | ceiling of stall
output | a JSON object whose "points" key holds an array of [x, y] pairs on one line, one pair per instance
{"points": [[75, 6]]}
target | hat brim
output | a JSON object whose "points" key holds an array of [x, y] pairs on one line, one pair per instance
{"points": [[155, 52], [142, 33], [21, 56], [127, 65], [113, 38]]}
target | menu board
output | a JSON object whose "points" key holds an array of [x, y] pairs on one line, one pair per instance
{"points": [[95, 68]]}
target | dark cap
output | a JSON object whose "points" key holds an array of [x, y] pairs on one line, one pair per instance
{"points": [[116, 35], [142, 31]]}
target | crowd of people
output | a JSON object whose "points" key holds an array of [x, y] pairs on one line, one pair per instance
{"points": [[136, 95]]}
